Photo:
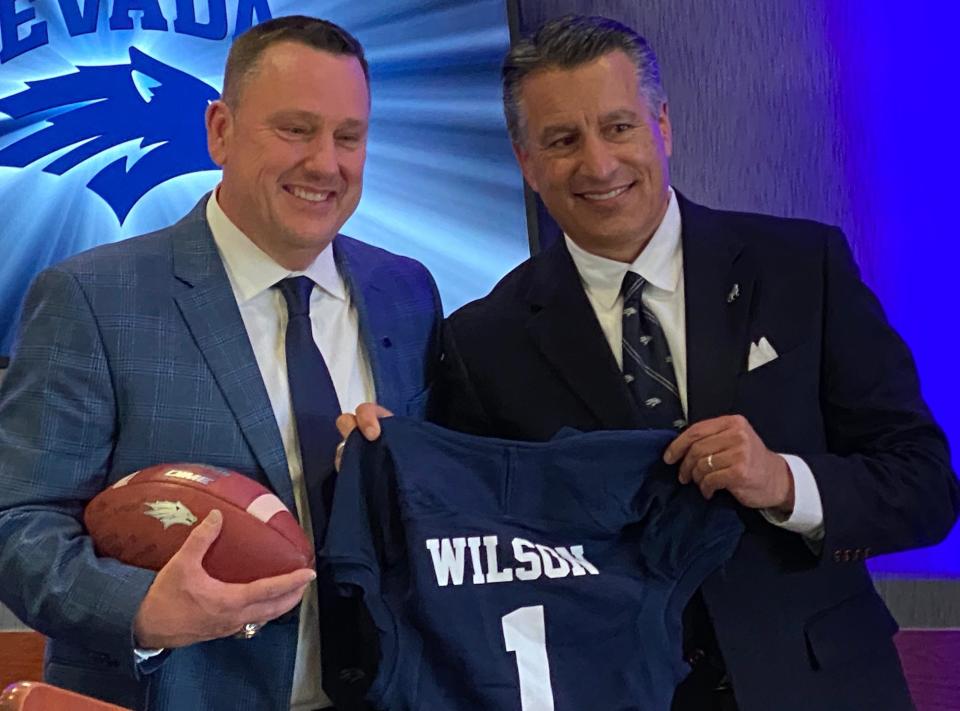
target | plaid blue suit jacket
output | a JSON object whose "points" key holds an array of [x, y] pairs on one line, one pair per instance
{"points": [[133, 354]]}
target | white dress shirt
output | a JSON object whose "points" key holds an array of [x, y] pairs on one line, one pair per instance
{"points": [[661, 265], [335, 329]]}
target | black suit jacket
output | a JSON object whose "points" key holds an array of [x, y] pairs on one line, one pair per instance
{"points": [[799, 630]]}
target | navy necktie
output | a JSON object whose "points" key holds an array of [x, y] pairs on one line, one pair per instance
{"points": [[314, 401], [647, 365]]}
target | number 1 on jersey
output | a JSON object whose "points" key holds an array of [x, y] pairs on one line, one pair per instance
{"points": [[524, 634]]}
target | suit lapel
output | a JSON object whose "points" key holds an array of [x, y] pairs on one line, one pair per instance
{"points": [[566, 331], [378, 320], [719, 281], [210, 311]]}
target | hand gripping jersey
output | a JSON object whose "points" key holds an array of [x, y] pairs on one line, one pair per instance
{"points": [[511, 576]]}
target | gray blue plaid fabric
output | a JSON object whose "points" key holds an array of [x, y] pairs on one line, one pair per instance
{"points": [[647, 364]]}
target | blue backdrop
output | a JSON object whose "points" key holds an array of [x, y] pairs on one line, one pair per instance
{"points": [[101, 129], [898, 78]]}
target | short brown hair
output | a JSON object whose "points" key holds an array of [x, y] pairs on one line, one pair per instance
{"points": [[310, 31]]}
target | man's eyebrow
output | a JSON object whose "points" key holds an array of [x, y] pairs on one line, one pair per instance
{"points": [[354, 123], [556, 130], [293, 114], [619, 115]]}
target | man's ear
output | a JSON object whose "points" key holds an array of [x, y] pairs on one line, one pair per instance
{"points": [[219, 121], [522, 155], [666, 131]]}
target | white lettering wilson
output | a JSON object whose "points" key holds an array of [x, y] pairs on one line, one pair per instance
{"points": [[449, 556]]}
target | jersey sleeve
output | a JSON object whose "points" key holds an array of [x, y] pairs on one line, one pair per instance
{"points": [[356, 622]]}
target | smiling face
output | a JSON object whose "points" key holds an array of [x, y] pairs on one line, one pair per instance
{"points": [[292, 148], [595, 154]]}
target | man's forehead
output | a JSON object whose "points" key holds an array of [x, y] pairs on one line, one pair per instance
{"points": [[291, 76], [601, 85], [338, 117], [288, 51], [547, 109], [299, 63]]}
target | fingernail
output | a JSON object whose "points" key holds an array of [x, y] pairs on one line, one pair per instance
{"points": [[369, 432], [214, 517]]}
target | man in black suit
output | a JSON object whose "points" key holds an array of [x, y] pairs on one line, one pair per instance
{"points": [[802, 402]]}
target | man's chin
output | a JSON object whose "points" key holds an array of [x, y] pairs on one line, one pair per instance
{"points": [[314, 240]]}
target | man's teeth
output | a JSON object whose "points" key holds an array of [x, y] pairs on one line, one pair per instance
{"points": [[310, 196], [606, 196]]}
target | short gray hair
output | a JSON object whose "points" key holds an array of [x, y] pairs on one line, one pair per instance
{"points": [[568, 42]]}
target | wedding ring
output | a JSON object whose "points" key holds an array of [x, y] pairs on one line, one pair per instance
{"points": [[710, 461], [248, 631]]}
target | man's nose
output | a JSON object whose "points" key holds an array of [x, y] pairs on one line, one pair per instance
{"points": [[597, 158], [322, 155]]}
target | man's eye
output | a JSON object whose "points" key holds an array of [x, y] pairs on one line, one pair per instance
{"points": [[295, 130], [563, 142], [622, 127]]}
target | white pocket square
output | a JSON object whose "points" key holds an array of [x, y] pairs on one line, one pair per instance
{"points": [[761, 353]]}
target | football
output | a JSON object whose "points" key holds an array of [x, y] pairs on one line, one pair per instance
{"points": [[144, 518]]}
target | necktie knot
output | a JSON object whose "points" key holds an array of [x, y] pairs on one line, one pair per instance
{"points": [[296, 291], [632, 287]]}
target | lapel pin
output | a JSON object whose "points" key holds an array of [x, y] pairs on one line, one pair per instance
{"points": [[734, 293]]}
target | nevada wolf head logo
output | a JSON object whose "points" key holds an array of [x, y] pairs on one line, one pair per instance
{"points": [[97, 108]]}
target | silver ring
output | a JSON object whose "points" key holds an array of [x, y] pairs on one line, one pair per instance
{"points": [[248, 631], [710, 461]]}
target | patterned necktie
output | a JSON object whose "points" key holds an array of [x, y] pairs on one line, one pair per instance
{"points": [[314, 400], [647, 365]]}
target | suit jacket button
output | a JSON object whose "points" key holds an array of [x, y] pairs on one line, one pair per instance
{"points": [[837, 556]]}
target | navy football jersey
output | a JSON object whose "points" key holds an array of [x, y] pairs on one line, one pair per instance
{"points": [[516, 576]]}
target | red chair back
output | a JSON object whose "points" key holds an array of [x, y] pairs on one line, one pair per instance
{"points": [[21, 657]]}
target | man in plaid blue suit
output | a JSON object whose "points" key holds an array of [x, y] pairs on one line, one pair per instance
{"points": [[170, 347]]}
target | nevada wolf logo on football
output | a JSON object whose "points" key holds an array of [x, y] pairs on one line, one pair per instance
{"points": [[98, 108]]}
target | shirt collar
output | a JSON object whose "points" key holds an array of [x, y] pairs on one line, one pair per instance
{"points": [[660, 263], [252, 271]]}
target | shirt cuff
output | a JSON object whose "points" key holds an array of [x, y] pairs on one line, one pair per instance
{"points": [[143, 655], [807, 516]]}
